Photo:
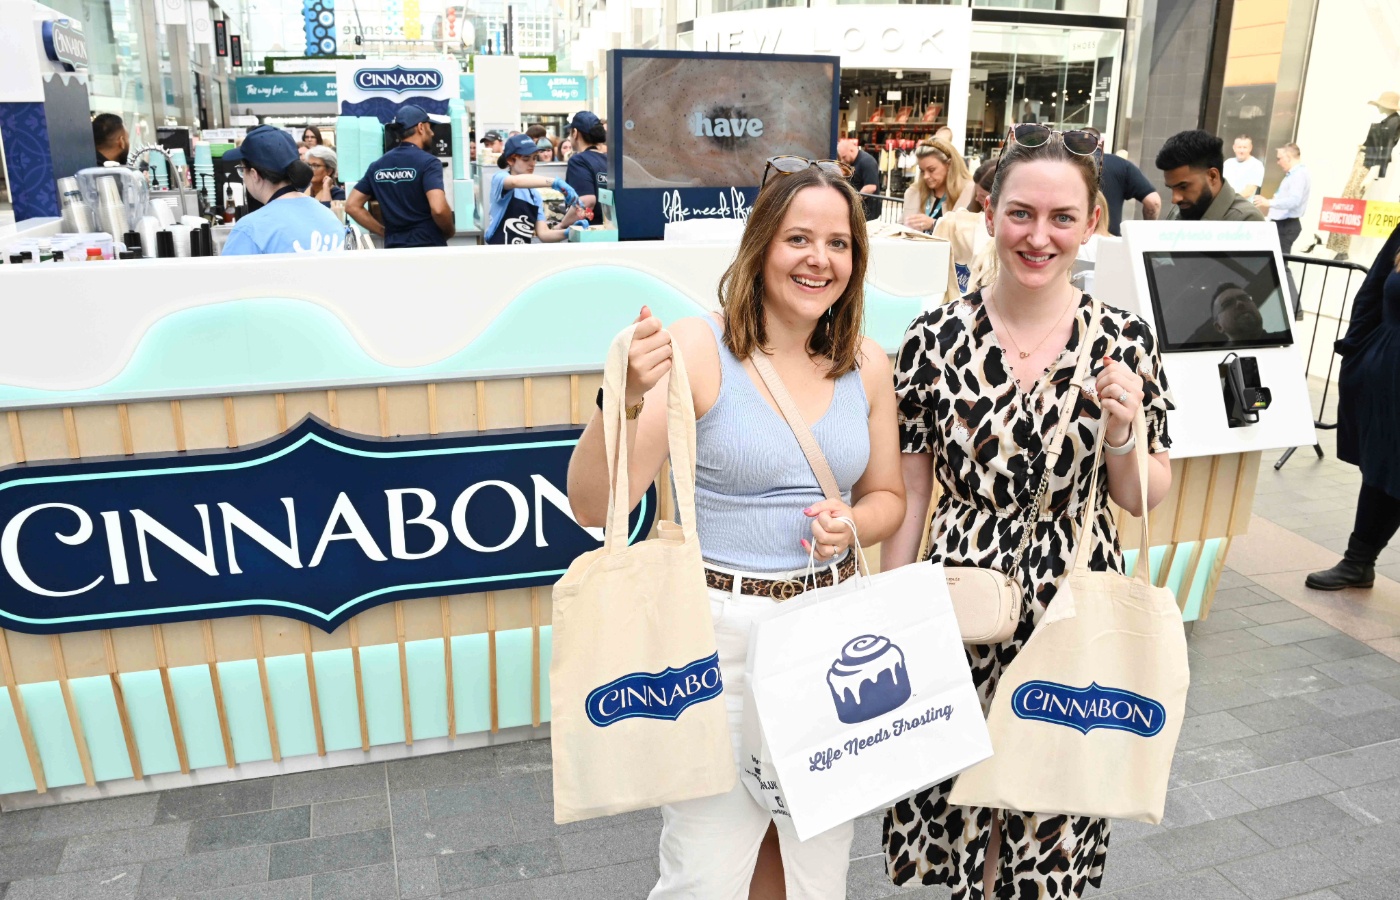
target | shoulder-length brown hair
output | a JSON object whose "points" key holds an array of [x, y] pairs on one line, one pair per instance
{"points": [[837, 337]]}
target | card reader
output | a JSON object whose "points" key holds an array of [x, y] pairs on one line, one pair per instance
{"points": [[1244, 396]]}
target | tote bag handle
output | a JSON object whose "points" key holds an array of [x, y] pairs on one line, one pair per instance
{"points": [[680, 439], [810, 448], [1141, 567]]}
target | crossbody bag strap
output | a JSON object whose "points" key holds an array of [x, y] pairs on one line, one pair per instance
{"points": [[810, 449]]}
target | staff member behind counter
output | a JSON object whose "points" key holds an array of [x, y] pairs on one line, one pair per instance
{"points": [[517, 209], [589, 160], [289, 221], [407, 183]]}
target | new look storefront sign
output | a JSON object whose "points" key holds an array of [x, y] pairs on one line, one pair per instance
{"points": [[316, 525]]}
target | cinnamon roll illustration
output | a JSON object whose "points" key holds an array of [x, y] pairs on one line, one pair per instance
{"points": [[868, 680]]}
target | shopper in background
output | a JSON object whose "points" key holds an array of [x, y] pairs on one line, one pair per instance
{"points": [[1243, 171], [865, 173], [324, 185], [493, 141], [288, 221], [945, 134], [588, 161], [517, 212], [1290, 201], [1120, 180], [566, 149], [1368, 420], [311, 137], [407, 183], [536, 132], [545, 153], [794, 293], [943, 185], [110, 137], [1191, 164], [982, 185]]}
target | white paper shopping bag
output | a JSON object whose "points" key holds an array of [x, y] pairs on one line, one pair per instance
{"points": [[861, 697]]}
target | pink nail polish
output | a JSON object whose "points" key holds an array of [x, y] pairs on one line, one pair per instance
{"points": [[804, 545], [807, 511]]}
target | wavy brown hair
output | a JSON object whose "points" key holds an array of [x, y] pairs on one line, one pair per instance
{"points": [[837, 336]]}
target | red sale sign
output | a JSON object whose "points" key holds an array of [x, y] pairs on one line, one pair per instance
{"points": [[1342, 216]]}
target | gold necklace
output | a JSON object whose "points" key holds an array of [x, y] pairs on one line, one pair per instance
{"points": [[1024, 354]]}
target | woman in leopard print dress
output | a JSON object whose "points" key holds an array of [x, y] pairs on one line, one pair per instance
{"points": [[976, 409]]}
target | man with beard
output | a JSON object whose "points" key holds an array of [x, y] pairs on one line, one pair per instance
{"points": [[1236, 316], [1191, 163]]}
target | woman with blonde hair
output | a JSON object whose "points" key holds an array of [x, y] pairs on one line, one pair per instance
{"points": [[943, 185]]}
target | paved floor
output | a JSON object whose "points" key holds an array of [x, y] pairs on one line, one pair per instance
{"points": [[1286, 782]]}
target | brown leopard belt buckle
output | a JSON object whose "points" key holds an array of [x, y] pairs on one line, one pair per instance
{"points": [[779, 590]]}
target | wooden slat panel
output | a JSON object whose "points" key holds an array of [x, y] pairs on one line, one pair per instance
{"points": [[43, 434], [70, 433], [513, 609], [422, 618], [178, 731], [301, 403], [99, 430], [468, 613], [257, 418], [75, 723], [377, 626], [359, 683], [1244, 492], [33, 661], [31, 749], [505, 402], [133, 751], [12, 448], [84, 654], [281, 636], [152, 426], [456, 406], [233, 638], [311, 685], [135, 647], [359, 410], [211, 660], [408, 410], [184, 644], [256, 628], [551, 400], [205, 424]]}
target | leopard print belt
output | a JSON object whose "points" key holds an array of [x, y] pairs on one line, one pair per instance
{"points": [[779, 589]]}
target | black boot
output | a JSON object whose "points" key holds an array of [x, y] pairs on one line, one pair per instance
{"points": [[1357, 569]]}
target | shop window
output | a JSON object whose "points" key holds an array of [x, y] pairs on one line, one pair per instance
{"points": [[1117, 8]]}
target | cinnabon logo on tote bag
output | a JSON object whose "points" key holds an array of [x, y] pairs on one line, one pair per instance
{"points": [[1087, 708], [656, 695]]}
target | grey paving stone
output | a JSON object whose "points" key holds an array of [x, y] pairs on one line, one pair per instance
{"points": [[634, 879], [1371, 804], [866, 880], [1212, 762], [524, 758], [1281, 784], [345, 816], [1209, 698], [1272, 613], [518, 890], [1277, 659], [250, 829], [418, 878], [1390, 685], [442, 769], [16, 826], [208, 801], [1208, 885], [1367, 728], [536, 820], [1357, 669], [1126, 831], [30, 860], [1215, 669], [1292, 682], [344, 783], [1380, 886], [1337, 647], [1199, 803], [365, 883], [1292, 632], [545, 782], [607, 846], [498, 865], [328, 854], [1226, 643], [1324, 894], [1283, 873], [205, 872], [121, 883], [120, 848], [1222, 620], [417, 840], [408, 807], [286, 889], [1286, 712], [1206, 844], [1299, 822], [1133, 865], [1352, 700], [1361, 766], [1364, 852], [115, 814], [1229, 578], [1234, 597], [869, 836], [1294, 744], [494, 796]]}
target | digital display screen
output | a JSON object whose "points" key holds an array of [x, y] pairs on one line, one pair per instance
{"points": [[1209, 300], [712, 121]]}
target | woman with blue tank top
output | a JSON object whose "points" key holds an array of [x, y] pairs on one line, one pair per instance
{"points": [[794, 293]]}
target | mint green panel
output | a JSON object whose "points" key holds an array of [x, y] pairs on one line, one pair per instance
{"points": [[291, 705], [1179, 563], [1209, 551], [150, 720], [243, 704], [383, 693], [1155, 561], [471, 674], [48, 719], [888, 317], [14, 762], [335, 690], [515, 665], [199, 717], [102, 727], [546, 655], [427, 688]]}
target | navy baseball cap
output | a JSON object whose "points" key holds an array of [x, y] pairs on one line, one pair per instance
{"points": [[518, 145], [585, 121], [410, 116], [492, 137], [266, 147]]}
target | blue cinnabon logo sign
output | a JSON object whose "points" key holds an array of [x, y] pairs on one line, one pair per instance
{"points": [[655, 695], [1087, 708], [398, 80]]}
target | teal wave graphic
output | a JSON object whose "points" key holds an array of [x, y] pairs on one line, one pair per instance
{"points": [[564, 322]]}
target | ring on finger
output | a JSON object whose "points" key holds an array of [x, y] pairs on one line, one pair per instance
{"points": [[1123, 397]]}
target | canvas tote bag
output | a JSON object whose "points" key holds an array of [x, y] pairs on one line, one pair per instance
{"points": [[1086, 717], [638, 717]]}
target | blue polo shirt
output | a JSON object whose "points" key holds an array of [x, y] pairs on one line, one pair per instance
{"points": [[286, 225], [400, 181], [582, 174], [513, 212]]}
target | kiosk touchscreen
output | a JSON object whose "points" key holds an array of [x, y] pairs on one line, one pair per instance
{"points": [[1210, 300]]}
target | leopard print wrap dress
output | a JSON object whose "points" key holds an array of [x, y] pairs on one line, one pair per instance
{"points": [[959, 401]]}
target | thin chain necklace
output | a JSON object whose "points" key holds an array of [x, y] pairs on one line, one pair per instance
{"points": [[1026, 353]]}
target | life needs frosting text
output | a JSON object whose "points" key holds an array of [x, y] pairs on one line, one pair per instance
{"points": [[823, 760]]}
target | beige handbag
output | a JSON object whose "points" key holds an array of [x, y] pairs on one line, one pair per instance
{"points": [[987, 601], [1086, 717], [636, 698]]}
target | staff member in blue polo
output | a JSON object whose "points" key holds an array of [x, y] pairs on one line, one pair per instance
{"points": [[288, 221], [587, 133], [517, 210], [407, 183]]}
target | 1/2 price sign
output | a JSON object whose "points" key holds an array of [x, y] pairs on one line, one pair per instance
{"points": [[1363, 218], [1381, 219]]}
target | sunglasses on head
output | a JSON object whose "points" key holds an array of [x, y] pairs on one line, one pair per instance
{"points": [[791, 165], [1078, 142]]}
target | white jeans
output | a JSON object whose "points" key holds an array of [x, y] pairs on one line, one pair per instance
{"points": [[709, 846]]}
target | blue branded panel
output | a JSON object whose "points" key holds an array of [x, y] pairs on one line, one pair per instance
{"points": [[655, 695], [319, 17], [1087, 708], [28, 160]]}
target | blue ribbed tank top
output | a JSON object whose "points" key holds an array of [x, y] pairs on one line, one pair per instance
{"points": [[752, 481]]}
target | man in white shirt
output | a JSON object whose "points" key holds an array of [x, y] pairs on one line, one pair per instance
{"points": [[1243, 172], [1291, 199]]}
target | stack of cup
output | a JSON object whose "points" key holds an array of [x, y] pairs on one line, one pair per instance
{"points": [[111, 207], [77, 215], [204, 173]]}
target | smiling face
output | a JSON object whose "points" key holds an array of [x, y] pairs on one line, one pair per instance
{"points": [[808, 264], [933, 171], [1041, 219]]}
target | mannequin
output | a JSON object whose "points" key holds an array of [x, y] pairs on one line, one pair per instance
{"points": [[1370, 173]]}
